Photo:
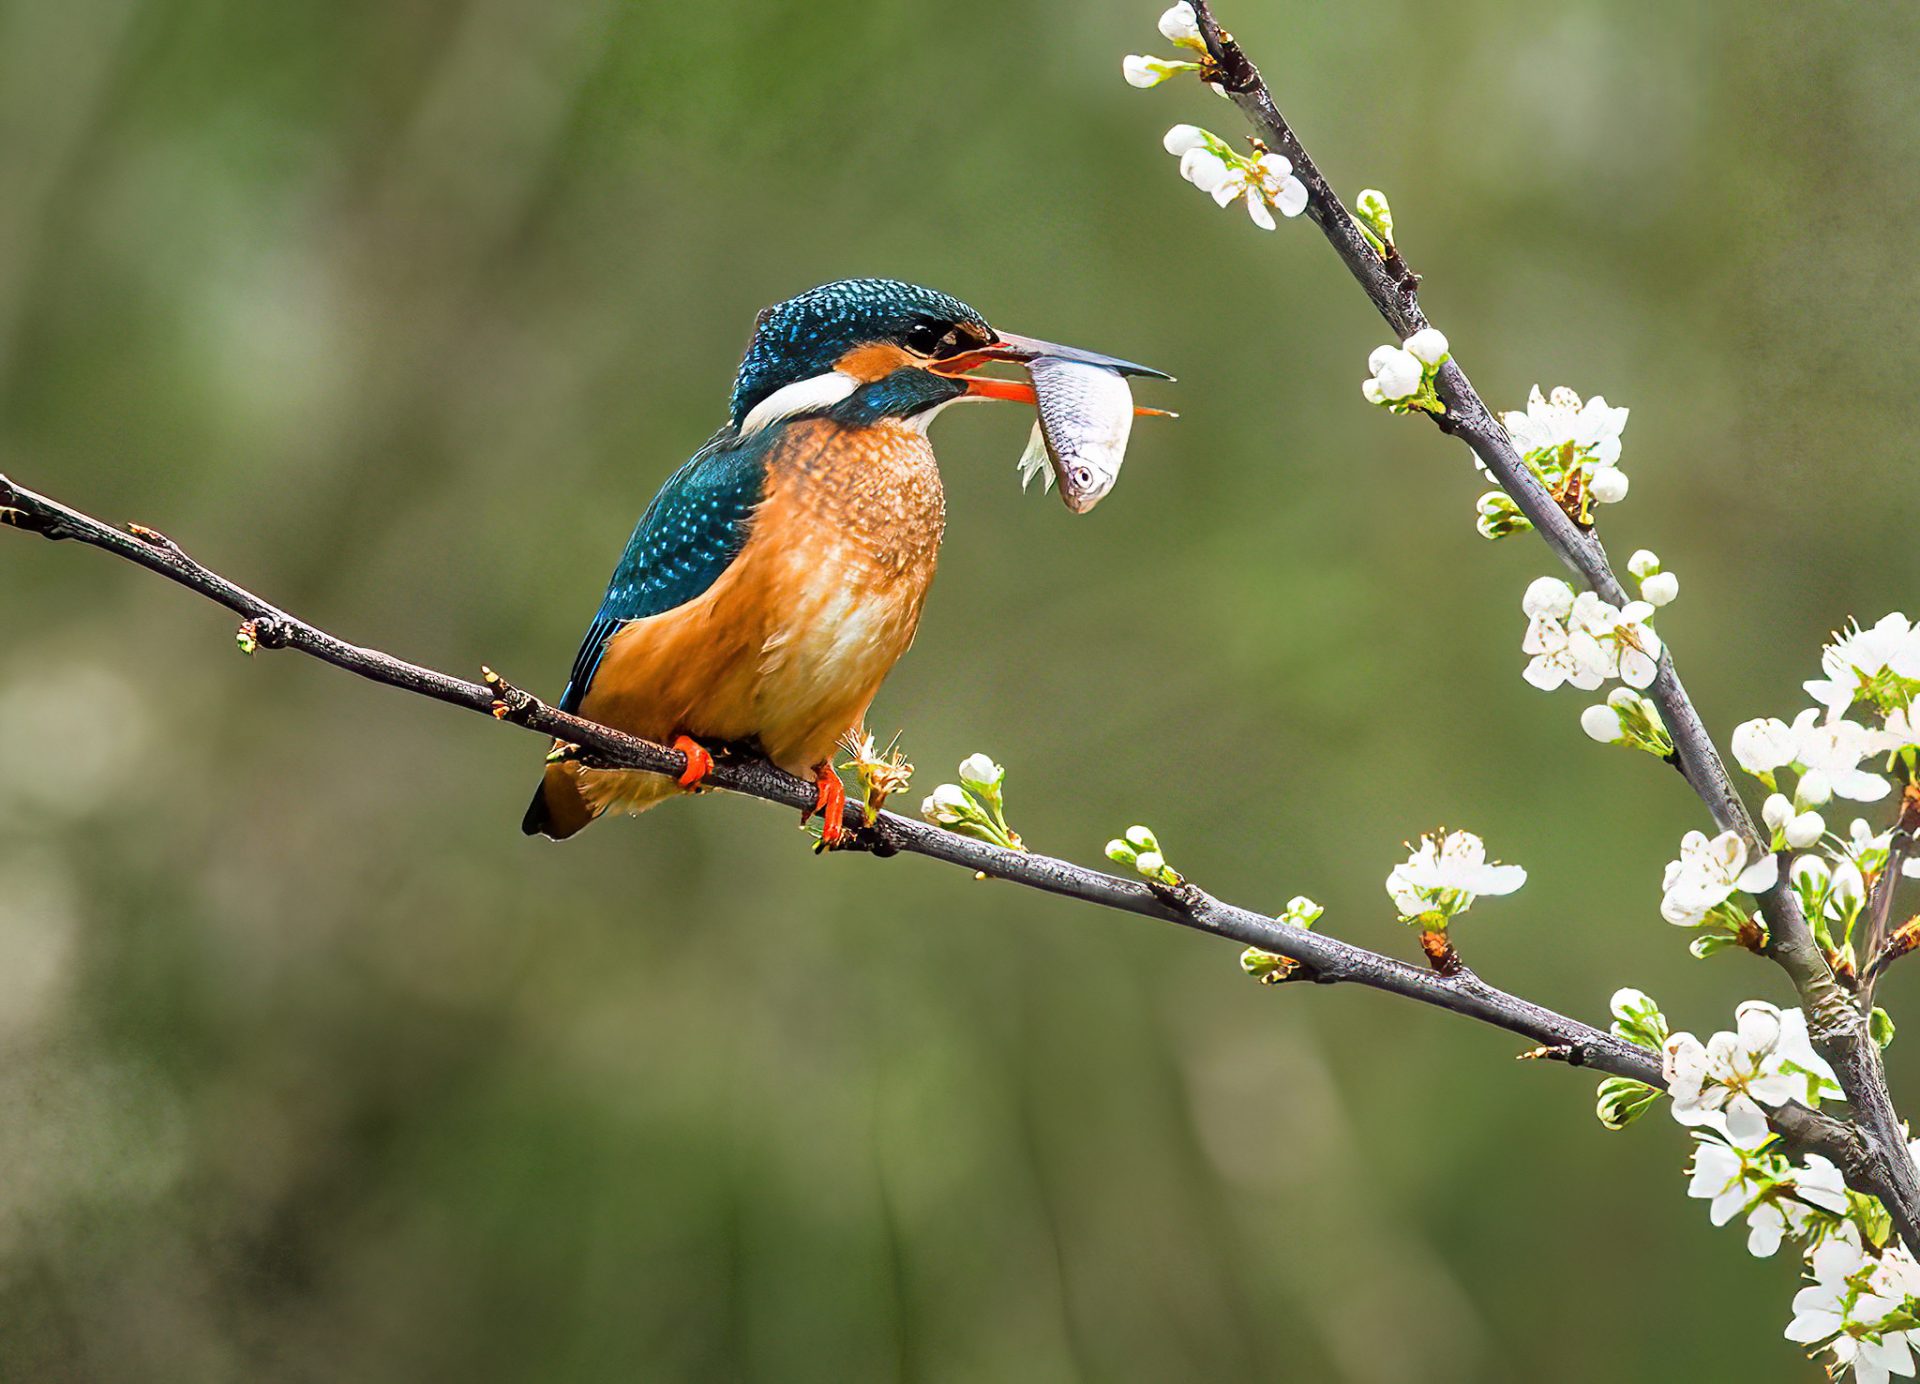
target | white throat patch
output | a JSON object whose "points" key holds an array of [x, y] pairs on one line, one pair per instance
{"points": [[802, 396]]}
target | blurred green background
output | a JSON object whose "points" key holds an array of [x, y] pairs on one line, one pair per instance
{"points": [[311, 1068]]}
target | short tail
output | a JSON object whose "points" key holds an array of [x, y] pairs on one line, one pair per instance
{"points": [[569, 797], [558, 808]]}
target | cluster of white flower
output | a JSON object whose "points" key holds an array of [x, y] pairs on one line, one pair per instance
{"points": [[1877, 669], [1264, 181], [1860, 1306], [1880, 665], [1698, 888], [1727, 1083], [1573, 447], [1441, 877], [1584, 641], [1401, 377], [1778, 1198], [1179, 26]]}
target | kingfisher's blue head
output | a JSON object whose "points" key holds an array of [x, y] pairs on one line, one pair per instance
{"points": [[886, 348]]}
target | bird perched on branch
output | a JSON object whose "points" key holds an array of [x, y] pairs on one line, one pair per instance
{"points": [[779, 574]]}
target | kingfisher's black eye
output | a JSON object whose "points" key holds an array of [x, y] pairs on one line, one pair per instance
{"points": [[931, 338]]}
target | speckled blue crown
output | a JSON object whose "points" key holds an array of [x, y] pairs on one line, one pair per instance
{"points": [[806, 335]]}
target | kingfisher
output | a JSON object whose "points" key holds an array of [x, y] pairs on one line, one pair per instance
{"points": [[780, 573]]}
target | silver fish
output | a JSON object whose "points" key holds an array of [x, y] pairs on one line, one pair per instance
{"points": [[1080, 437]]}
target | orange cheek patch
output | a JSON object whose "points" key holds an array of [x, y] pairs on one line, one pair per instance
{"points": [[876, 362]]}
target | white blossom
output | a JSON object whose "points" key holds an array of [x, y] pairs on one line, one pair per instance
{"points": [[1857, 656], [1592, 429], [1563, 654], [1829, 755], [1726, 1083], [1445, 873], [1734, 1181], [1635, 647], [1428, 346], [1708, 873], [1644, 563], [1276, 181], [1869, 851], [1901, 731], [1262, 183], [1851, 1296]]}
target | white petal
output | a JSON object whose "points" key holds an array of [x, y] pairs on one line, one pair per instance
{"points": [[1181, 138], [1746, 1123], [1547, 598]]}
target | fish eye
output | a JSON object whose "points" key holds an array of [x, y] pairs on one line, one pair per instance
{"points": [[1083, 475]]}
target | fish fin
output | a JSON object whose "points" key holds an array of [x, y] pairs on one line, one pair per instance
{"points": [[1035, 462]]}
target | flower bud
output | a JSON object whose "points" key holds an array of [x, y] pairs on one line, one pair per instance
{"points": [[1660, 588], [1150, 863], [1142, 839], [1301, 911], [1776, 812], [1428, 346], [1644, 563], [1181, 138], [1810, 874], [1805, 829], [947, 805], [977, 771], [1374, 213], [1370, 391], [1602, 723], [1849, 890], [1399, 373], [1141, 71], [1182, 26], [1607, 485]]}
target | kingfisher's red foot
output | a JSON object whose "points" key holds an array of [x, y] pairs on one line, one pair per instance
{"points": [[699, 762], [830, 801]]}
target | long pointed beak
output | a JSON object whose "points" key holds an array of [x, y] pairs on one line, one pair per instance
{"points": [[1018, 348]]}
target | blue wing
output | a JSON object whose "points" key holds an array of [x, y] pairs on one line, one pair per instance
{"points": [[690, 534]]}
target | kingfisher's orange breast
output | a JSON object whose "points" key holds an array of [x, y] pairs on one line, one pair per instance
{"points": [[790, 644]]}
